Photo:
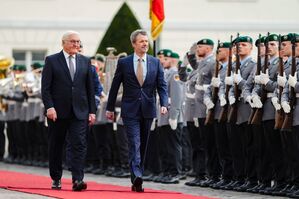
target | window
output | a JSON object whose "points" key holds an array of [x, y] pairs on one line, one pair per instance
{"points": [[28, 57]]}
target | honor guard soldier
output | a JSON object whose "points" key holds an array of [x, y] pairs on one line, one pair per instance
{"points": [[290, 106], [240, 133], [220, 128], [206, 140]]}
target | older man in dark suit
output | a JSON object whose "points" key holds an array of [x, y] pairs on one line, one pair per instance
{"points": [[141, 75], [68, 96]]}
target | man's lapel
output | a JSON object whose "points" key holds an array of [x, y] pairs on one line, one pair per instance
{"points": [[64, 65], [148, 63]]}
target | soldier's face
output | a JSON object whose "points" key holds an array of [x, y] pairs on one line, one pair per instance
{"points": [[201, 50], [161, 58], [245, 48], [167, 62], [141, 44], [286, 48], [223, 54], [262, 49], [71, 45], [272, 48], [297, 49]]}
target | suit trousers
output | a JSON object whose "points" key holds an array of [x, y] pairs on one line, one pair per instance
{"points": [[76, 130], [138, 131], [2, 139]]}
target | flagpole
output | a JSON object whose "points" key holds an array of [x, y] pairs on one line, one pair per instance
{"points": [[154, 48]]}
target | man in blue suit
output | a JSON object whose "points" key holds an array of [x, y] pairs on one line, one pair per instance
{"points": [[141, 75], [68, 96]]}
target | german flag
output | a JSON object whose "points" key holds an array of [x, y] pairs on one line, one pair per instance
{"points": [[157, 17]]}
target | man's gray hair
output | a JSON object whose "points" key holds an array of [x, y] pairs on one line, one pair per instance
{"points": [[136, 33], [68, 33]]}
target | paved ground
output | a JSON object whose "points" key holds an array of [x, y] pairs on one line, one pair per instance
{"points": [[125, 182]]}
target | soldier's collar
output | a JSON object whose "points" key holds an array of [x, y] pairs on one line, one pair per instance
{"points": [[245, 59]]}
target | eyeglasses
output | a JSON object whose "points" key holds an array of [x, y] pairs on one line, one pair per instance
{"points": [[74, 41]]}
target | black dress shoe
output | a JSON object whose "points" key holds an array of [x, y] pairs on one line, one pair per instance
{"points": [[195, 182], [137, 185], [208, 182], [221, 183], [56, 184], [233, 185], [245, 186], [276, 188], [293, 192], [263, 188], [79, 185], [283, 192], [171, 179]]}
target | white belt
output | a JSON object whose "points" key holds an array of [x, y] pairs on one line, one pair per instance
{"points": [[169, 100], [201, 87], [190, 95], [270, 95], [297, 95]]}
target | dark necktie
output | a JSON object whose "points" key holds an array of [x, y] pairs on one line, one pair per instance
{"points": [[72, 67], [139, 72]]}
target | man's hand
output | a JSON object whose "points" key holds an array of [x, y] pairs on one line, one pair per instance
{"points": [[91, 119], [281, 80], [231, 100], [215, 82], [51, 114], [163, 110], [222, 100], [292, 80], [285, 106], [229, 80], [265, 77], [257, 103], [110, 115], [275, 103], [193, 48], [237, 77], [173, 123]]}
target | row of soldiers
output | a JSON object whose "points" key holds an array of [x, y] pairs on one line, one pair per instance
{"points": [[240, 114]]}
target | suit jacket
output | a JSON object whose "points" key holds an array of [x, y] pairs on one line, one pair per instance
{"points": [[65, 95], [138, 101]]}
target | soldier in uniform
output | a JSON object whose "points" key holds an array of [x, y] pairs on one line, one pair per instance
{"points": [[221, 136], [291, 138], [206, 68], [240, 135], [171, 124]]}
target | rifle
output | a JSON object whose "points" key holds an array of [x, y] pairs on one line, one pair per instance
{"points": [[288, 119], [210, 115], [258, 72], [232, 114], [223, 112], [279, 115], [258, 115]]}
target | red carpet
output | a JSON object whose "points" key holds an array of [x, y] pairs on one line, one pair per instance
{"points": [[40, 185]]}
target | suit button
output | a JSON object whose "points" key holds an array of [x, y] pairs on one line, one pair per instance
{"points": [[139, 98]]}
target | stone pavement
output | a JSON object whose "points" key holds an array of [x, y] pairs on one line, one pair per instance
{"points": [[124, 182]]}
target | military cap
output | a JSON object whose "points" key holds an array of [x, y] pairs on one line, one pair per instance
{"points": [[272, 37], [36, 65], [175, 55], [100, 57], [19, 67], [160, 52], [288, 37], [14, 67], [244, 39], [296, 38], [224, 45], [260, 40], [167, 52], [206, 42]]}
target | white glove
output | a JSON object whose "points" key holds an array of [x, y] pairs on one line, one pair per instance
{"points": [[249, 100], [208, 102], [257, 79], [265, 77], [237, 77], [153, 126], [257, 103], [292, 80], [222, 100], [281, 80], [229, 80], [173, 123], [196, 124], [215, 82], [286, 107], [275, 103], [193, 48], [231, 100], [185, 61]]}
